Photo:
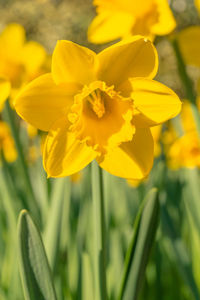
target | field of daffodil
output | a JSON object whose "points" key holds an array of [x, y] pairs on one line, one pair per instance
{"points": [[100, 150]]}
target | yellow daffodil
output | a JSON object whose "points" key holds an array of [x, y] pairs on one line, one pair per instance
{"points": [[183, 151], [99, 106], [7, 143], [32, 131], [20, 60], [187, 118], [197, 3], [189, 44], [33, 154], [156, 133], [121, 18]]}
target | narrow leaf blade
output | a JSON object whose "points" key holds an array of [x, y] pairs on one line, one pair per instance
{"points": [[34, 268], [143, 238]]}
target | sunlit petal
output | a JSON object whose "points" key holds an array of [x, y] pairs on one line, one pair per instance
{"points": [[154, 102], [134, 57], [42, 102], [73, 63], [63, 154], [133, 159]]}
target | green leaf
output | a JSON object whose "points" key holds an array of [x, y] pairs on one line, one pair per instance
{"points": [[190, 194], [52, 231], [144, 232], [181, 256], [34, 268], [99, 233], [10, 118], [87, 279]]}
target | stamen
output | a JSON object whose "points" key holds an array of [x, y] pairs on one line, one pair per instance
{"points": [[97, 102]]}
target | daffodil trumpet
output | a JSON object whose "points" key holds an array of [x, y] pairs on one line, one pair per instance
{"points": [[99, 106]]}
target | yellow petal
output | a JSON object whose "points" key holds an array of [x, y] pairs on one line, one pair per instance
{"points": [[185, 151], [12, 40], [188, 40], [5, 89], [133, 57], [156, 132], [32, 131], [166, 22], [42, 102], [7, 142], [63, 154], [132, 160], [197, 3], [187, 117], [9, 149], [154, 102], [109, 26], [33, 56], [73, 63]]}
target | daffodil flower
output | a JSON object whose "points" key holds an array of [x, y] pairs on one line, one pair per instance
{"points": [[20, 60], [156, 132], [183, 151], [99, 106], [188, 40], [197, 3], [7, 144], [121, 18]]}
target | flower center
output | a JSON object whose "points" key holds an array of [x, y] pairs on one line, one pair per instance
{"points": [[101, 117], [96, 101]]}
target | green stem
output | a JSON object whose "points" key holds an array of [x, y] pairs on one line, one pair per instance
{"points": [[24, 168], [99, 232], [10, 196], [187, 83]]}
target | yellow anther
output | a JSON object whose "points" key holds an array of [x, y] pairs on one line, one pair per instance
{"points": [[97, 102]]}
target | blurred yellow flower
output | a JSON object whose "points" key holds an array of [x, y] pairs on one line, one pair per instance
{"points": [[197, 3], [189, 44], [183, 151], [121, 18], [4, 91], [187, 119], [33, 154], [99, 107], [156, 133], [20, 61], [7, 143], [32, 131]]}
